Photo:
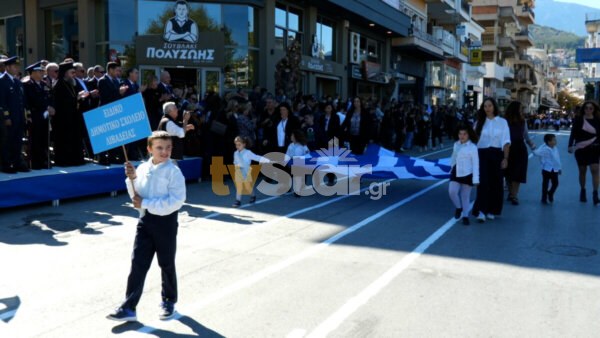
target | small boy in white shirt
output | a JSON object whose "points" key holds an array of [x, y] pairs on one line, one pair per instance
{"points": [[551, 167]]}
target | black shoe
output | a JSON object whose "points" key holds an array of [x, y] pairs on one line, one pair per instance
{"points": [[545, 202], [252, 199], [457, 213], [582, 197], [595, 197], [123, 315], [236, 204], [167, 310], [550, 197], [465, 221]]}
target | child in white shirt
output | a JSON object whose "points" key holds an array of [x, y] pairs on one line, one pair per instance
{"points": [[551, 167], [298, 148], [243, 178], [464, 173]]}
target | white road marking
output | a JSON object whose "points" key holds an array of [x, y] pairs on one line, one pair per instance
{"points": [[243, 233], [270, 270], [353, 304], [435, 152]]}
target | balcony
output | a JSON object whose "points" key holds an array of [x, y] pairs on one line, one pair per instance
{"points": [[526, 15], [493, 71], [523, 59], [524, 39], [421, 45], [506, 44], [475, 71], [507, 15], [445, 39]]}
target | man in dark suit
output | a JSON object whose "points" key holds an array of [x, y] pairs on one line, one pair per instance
{"points": [[92, 85], [12, 106], [38, 103], [132, 84], [111, 90], [110, 86], [164, 87]]}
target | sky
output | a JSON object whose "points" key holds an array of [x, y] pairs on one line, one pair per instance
{"points": [[589, 3]]}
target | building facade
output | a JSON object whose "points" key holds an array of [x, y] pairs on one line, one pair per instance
{"points": [[346, 45]]}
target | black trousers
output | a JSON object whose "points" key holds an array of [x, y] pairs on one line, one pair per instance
{"points": [[490, 192], [155, 234], [547, 178], [13, 144], [39, 144], [436, 134]]}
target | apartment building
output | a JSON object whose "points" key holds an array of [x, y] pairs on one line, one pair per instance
{"points": [[510, 72]]}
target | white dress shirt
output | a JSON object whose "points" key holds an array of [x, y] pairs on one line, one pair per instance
{"points": [[495, 133], [243, 159], [297, 150], [174, 130], [466, 160], [161, 186], [281, 133], [549, 158], [82, 84]]}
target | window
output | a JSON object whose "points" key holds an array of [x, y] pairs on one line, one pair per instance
{"points": [[62, 33], [288, 26], [325, 40], [370, 50], [11, 36]]}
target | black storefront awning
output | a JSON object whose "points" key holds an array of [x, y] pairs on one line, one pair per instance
{"points": [[377, 12]]}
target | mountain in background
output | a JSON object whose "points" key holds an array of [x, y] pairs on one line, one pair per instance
{"points": [[563, 16], [554, 38]]}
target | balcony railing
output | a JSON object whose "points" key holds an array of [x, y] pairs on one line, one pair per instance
{"points": [[424, 36], [526, 9], [525, 32]]}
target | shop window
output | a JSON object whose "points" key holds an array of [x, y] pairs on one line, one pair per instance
{"points": [[113, 21], [288, 26], [370, 50], [11, 36], [62, 33], [324, 47], [241, 68]]}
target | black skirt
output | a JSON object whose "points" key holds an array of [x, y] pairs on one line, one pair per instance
{"points": [[588, 155], [468, 180]]}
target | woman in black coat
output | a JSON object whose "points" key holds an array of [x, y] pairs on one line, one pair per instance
{"points": [[516, 171], [356, 127], [328, 126]]}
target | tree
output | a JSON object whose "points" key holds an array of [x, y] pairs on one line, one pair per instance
{"points": [[568, 101], [287, 71]]}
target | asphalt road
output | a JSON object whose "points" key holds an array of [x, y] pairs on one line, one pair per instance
{"points": [[345, 266]]}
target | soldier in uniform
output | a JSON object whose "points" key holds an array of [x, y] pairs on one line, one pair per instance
{"points": [[38, 103], [12, 104]]}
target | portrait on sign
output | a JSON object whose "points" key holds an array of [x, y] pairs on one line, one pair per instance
{"points": [[181, 28]]}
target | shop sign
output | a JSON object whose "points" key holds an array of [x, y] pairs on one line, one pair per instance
{"points": [[316, 65], [355, 72], [181, 44], [476, 57]]}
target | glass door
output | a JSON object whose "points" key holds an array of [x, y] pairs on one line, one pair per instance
{"points": [[209, 80]]}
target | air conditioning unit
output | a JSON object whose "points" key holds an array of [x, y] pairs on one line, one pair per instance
{"points": [[354, 47]]}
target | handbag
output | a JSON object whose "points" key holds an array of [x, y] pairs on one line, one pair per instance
{"points": [[218, 128]]}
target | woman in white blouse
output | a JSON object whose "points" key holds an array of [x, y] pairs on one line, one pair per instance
{"points": [[493, 147]]}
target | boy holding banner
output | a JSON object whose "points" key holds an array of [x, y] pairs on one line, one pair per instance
{"points": [[157, 188]]}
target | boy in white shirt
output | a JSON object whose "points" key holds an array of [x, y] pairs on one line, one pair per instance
{"points": [[551, 167], [157, 189]]}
